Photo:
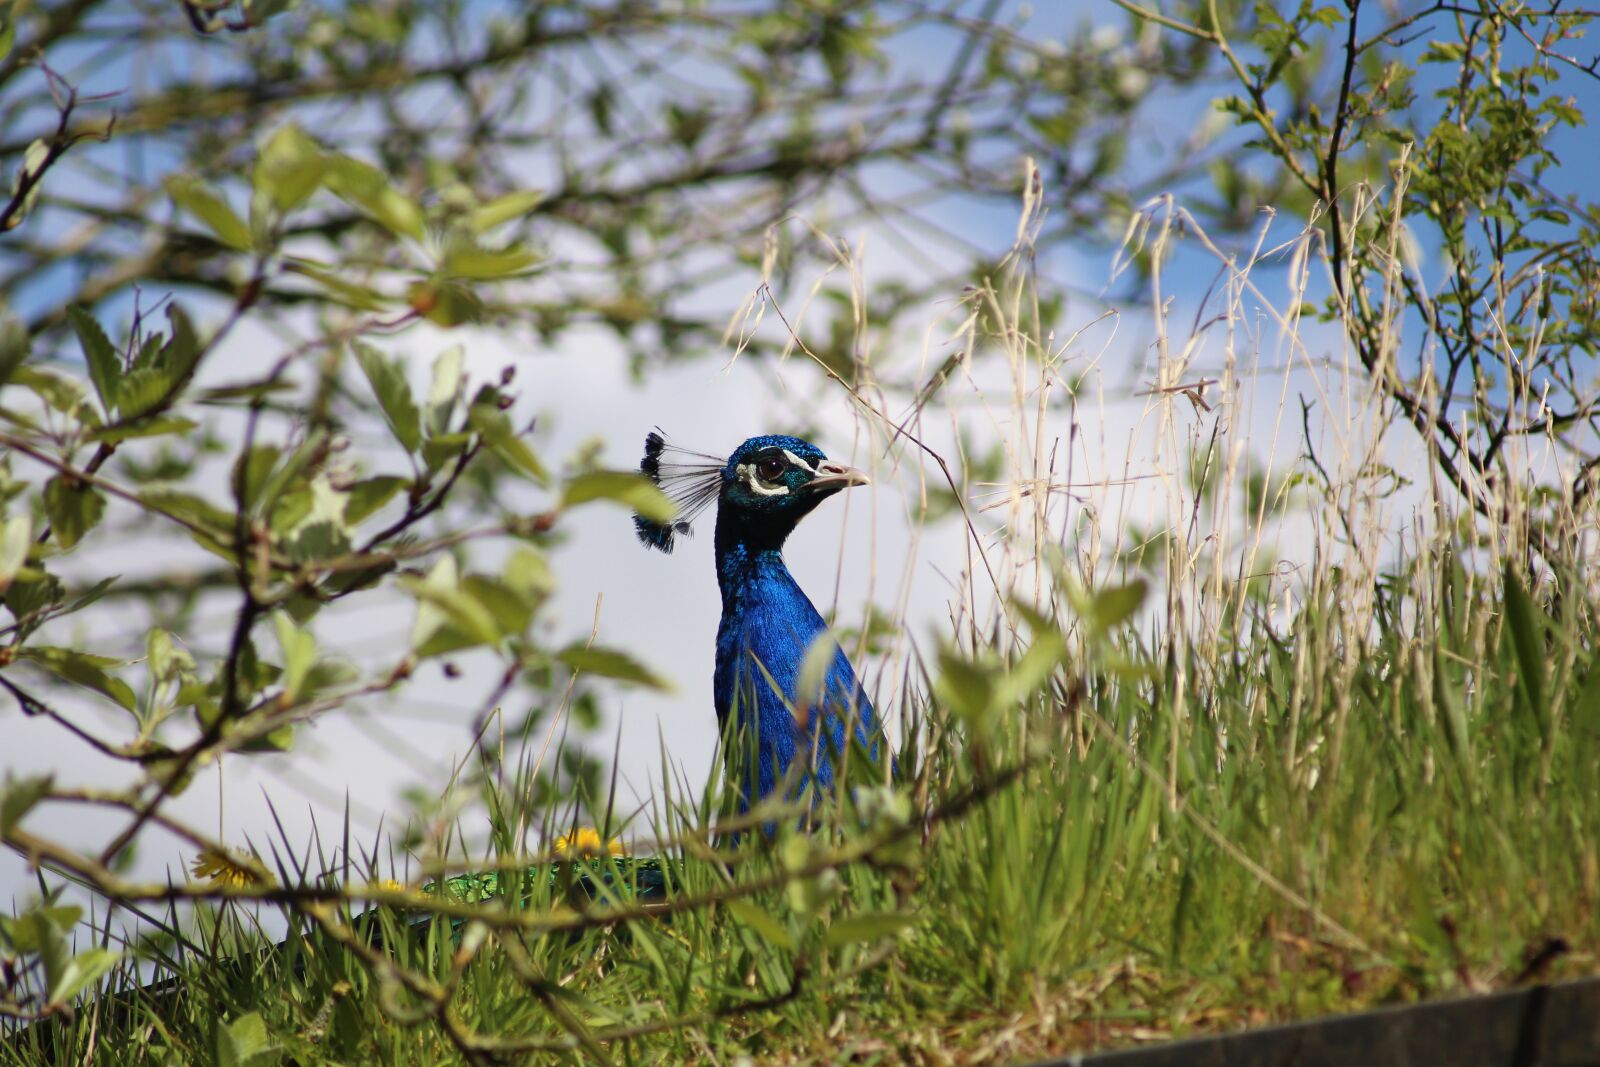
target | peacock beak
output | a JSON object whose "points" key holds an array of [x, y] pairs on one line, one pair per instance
{"points": [[831, 475]]}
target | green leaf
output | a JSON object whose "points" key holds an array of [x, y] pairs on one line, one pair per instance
{"points": [[142, 390], [442, 604], [14, 346], [505, 208], [73, 509], [299, 649], [444, 302], [16, 537], [190, 508], [610, 663], [58, 392], [1524, 621], [482, 264], [1032, 669], [445, 390], [191, 195], [633, 491], [289, 168], [965, 687], [389, 384], [370, 494], [868, 926], [18, 797], [323, 533], [494, 426], [159, 426], [1110, 608], [347, 293], [528, 572], [82, 668], [80, 972], [512, 608], [770, 929], [245, 1043], [368, 189], [51, 946], [105, 368]]}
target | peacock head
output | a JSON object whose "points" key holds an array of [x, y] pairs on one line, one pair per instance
{"points": [[763, 489]]}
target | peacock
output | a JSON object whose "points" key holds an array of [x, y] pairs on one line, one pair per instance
{"points": [[786, 696]]}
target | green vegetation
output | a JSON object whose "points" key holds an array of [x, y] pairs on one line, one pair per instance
{"points": [[1289, 707], [1364, 812]]}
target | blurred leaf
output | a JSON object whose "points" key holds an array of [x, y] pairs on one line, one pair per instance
{"points": [[528, 572], [505, 208], [73, 509], [19, 796], [371, 494], [191, 195], [1110, 608], [143, 388], [289, 168], [441, 602], [340, 289], [389, 384], [58, 392], [16, 537], [769, 929], [632, 491], [299, 650], [494, 426], [610, 663], [482, 264], [153, 427], [810, 690], [512, 608], [444, 303], [51, 944], [15, 345], [963, 686], [105, 367], [1032, 669], [868, 926], [1524, 623], [368, 189], [80, 972], [82, 668], [245, 1043], [443, 448], [444, 390], [323, 533]]}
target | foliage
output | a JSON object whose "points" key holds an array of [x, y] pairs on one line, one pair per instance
{"points": [[1169, 783]]}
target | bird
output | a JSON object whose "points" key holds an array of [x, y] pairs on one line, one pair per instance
{"points": [[784, 691]]}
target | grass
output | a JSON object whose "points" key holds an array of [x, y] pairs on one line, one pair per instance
{"points": [[1367, 781]]}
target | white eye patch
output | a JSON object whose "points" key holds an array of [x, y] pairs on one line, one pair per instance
{"points": [[746, 473], [798, 462]]}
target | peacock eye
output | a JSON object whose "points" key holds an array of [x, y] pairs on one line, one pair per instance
{"points": [[771, 468]]}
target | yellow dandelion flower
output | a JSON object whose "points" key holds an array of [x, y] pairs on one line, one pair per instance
{"points": [[222, 871], [586, 842]]}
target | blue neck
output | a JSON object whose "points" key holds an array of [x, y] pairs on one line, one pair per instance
{"points": [[746, 551]]}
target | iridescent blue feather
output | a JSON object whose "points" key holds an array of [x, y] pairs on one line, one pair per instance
{"points": [[768, 624]]}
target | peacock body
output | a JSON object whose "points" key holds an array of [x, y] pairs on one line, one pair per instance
{"points": [[785, 692]]}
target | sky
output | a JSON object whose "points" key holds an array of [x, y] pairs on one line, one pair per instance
{"points": [[861, 548]]}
